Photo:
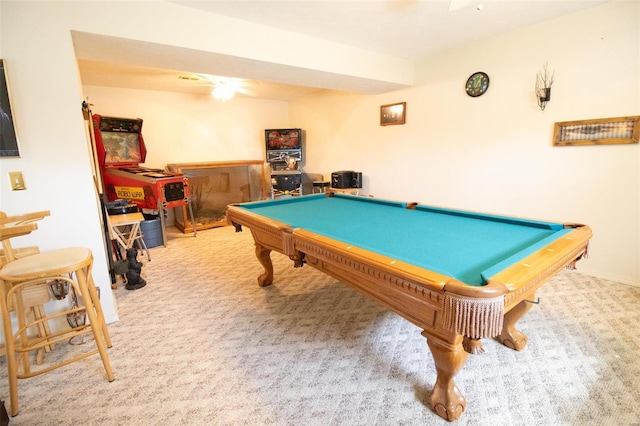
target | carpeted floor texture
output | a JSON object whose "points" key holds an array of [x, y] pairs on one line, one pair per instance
{"points": [[203, 344]]}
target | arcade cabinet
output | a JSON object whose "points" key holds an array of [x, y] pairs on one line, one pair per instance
{"points": [[121, 149], [284, 151]]}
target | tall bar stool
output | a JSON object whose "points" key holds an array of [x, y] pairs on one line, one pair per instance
{"points": [[71, 265], [35, 297]]}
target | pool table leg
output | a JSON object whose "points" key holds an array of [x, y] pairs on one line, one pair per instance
{"points": [[446, 399], [263, 255], [510, 337]]}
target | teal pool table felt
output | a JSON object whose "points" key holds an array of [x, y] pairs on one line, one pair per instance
{"points": [[468, 246]]}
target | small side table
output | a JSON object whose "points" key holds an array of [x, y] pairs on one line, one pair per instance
{"points": [[125, 230], [320, 186]]}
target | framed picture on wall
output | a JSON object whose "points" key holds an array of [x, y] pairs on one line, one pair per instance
{"points": [[393, 114], [601, 131], [8, 136]]}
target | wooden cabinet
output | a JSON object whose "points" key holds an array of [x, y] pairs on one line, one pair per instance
{"points": [[215, 185]]}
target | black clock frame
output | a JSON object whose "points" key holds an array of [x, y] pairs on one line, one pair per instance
{"points": [[475, 91]]}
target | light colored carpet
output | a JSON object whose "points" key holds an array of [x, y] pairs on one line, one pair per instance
{"points": [[203, 344]]}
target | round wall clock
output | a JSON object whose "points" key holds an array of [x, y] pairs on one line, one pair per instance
{"points": [[477, 84]]}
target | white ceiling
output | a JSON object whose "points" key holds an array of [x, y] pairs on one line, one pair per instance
{"points": [[412, 29]]}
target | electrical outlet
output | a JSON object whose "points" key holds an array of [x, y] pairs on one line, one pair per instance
{"points": [[17, 181]]}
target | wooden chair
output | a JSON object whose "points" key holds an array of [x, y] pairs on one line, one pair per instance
{"points": [[21, 275], [34, 297]]}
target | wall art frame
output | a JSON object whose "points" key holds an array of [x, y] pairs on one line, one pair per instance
{"points": [[9, 146], [600, 131], [392, 114]]}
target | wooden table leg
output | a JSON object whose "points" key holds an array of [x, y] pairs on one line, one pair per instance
{"points": [[510, 337], [263, 255], [446, 399]]}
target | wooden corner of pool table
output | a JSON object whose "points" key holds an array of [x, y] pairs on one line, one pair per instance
{"points": [[491, 289], [475, 312]]}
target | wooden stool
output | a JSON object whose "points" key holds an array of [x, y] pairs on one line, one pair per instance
{"points": [[20, 274], [34, 299]]}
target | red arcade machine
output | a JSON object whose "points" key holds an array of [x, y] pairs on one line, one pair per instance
{"points": [[120, 150]]}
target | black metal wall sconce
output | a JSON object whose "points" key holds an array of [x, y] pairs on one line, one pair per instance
{"points": [[544, 81]]}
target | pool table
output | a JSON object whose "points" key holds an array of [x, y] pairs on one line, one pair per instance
{"points": [[461, 276]]}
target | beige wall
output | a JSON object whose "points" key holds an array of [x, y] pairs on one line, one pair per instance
{"points": [[180, 128], [47, 99], [36, 42], [492, 153]]}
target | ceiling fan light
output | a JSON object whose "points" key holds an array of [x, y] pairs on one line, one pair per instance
{"points": [[223, 92]]}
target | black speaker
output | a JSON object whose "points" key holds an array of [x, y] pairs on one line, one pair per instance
{"points": [[356, 180], [341, 179]]}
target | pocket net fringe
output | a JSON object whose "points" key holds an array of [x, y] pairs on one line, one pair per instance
{"points": [[473, 317]]}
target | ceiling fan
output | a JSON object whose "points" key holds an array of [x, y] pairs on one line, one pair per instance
{"points": [[223, 88]]}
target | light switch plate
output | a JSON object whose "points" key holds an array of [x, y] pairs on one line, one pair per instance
{"points": [[17, 181]]}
